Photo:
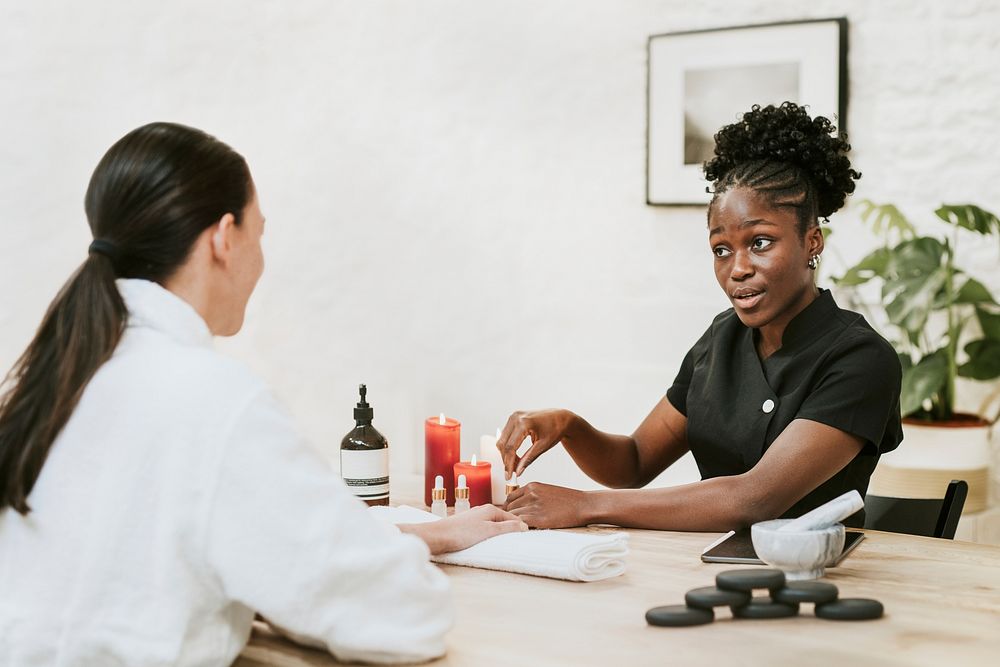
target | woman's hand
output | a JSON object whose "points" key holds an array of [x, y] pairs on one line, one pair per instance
{"points": [[545, 427], [547, 506], [463, 530]]}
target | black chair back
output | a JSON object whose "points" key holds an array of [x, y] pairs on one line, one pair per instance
{"points": [[931, 517]]}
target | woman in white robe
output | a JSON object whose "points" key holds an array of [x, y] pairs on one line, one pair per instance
{"points": [[153, 495]]}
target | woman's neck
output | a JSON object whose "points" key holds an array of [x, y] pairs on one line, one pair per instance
{"points": [[769, 337]]}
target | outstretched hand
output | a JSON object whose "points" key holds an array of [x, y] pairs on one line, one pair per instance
{"points": [[547, 506], [544, 427], [461, 531]]}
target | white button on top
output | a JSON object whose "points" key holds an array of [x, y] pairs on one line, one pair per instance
{"points": [[768, 406]]}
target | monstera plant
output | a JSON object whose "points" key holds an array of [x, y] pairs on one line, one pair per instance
{"points": [[944, 323]]}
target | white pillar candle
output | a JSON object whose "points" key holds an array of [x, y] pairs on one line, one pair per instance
{"points": [[488, 452]]}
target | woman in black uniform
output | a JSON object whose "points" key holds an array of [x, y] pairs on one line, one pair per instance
{"points": [[785, 402]]}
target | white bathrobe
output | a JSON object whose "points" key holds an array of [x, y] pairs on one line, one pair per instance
{"points": [[177, 501]]}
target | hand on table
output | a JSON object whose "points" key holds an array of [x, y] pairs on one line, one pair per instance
{"points": [[545, 427], [461, 531], [547, 506]]}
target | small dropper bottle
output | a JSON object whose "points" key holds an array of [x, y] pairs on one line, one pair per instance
{"points": [[438, 494], [461, 495], [512, 484]]}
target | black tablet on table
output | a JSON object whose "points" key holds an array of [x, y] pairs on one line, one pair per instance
{"points": [[738, 548]]}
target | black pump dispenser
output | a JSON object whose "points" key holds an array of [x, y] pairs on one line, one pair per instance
{"points": [[363, 413], [364, 456]]}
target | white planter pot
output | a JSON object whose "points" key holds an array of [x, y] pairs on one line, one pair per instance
{"points": [[930, 456]]}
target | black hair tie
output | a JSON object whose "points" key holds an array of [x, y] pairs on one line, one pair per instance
{"points": [[106, 248]]}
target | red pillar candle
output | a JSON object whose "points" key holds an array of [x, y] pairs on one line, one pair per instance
{"points": [[442, 440], [477, 476]]}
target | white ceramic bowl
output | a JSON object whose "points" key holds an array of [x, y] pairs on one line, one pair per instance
{"points": [[800, 554]]}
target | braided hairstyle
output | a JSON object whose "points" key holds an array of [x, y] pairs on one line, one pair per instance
{"points": [[787, 156]]}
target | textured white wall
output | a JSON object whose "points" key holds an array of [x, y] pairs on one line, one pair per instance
{"points": [[455, 189]]}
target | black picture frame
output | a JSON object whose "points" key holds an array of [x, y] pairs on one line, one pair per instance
{"points": [[699, 80]]}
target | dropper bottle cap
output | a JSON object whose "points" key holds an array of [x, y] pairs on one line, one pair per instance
{"points": [[363, 413], [438, 492], [512, 484], [462, 490]]}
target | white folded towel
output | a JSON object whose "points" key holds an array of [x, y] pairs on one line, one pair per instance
{"points": [[543, 553]]}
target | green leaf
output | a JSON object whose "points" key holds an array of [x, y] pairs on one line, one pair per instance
{"points": [[973, 291], [871, 266], [884, 218], [915, 256], [922, 381], [911, 300], [989, 323], [942, 299], [915, 276], [970, 217], [905, 362], [984, 360]]}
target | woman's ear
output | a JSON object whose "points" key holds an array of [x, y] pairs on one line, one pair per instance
{"points": [[221, 236], [814, 240]]}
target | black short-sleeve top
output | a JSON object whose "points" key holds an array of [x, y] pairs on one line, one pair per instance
{"points": [[832, 368]]}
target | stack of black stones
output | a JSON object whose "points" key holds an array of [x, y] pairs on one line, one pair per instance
{"points": [[735, 588]]}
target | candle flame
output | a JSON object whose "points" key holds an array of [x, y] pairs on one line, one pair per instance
{"points": [[498, 434], [474, 460], [442, 420]]}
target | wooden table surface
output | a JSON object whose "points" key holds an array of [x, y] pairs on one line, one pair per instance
{"points": [[942, 603]]}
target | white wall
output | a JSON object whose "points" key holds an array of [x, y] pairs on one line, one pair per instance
{"points": [[455, 189]]}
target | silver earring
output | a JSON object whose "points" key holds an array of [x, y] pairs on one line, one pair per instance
{"points": [[813, 262]]}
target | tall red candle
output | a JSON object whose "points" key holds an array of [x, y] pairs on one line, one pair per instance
{"points": [[477, 476], [441, 452]]}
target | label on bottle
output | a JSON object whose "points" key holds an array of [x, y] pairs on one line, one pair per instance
{"points": [[366, 472]]}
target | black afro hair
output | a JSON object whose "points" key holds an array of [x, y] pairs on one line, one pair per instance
{"points": [[786, 134]]}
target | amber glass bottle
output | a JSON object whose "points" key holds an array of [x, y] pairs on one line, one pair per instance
{"points": [[364, 457]]}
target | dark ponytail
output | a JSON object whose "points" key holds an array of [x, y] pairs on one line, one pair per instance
{"points": [[153, 193]]}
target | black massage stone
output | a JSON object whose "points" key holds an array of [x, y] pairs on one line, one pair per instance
{"points": [[850, 609], [710, 596], [748, 580], [766, 608], [795, 592], [678, 615]]}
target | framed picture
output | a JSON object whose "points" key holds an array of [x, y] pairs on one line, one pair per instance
{"points": [[704, 79]]}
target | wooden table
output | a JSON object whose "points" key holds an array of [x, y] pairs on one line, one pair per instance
{"points": [[942, 602]]}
